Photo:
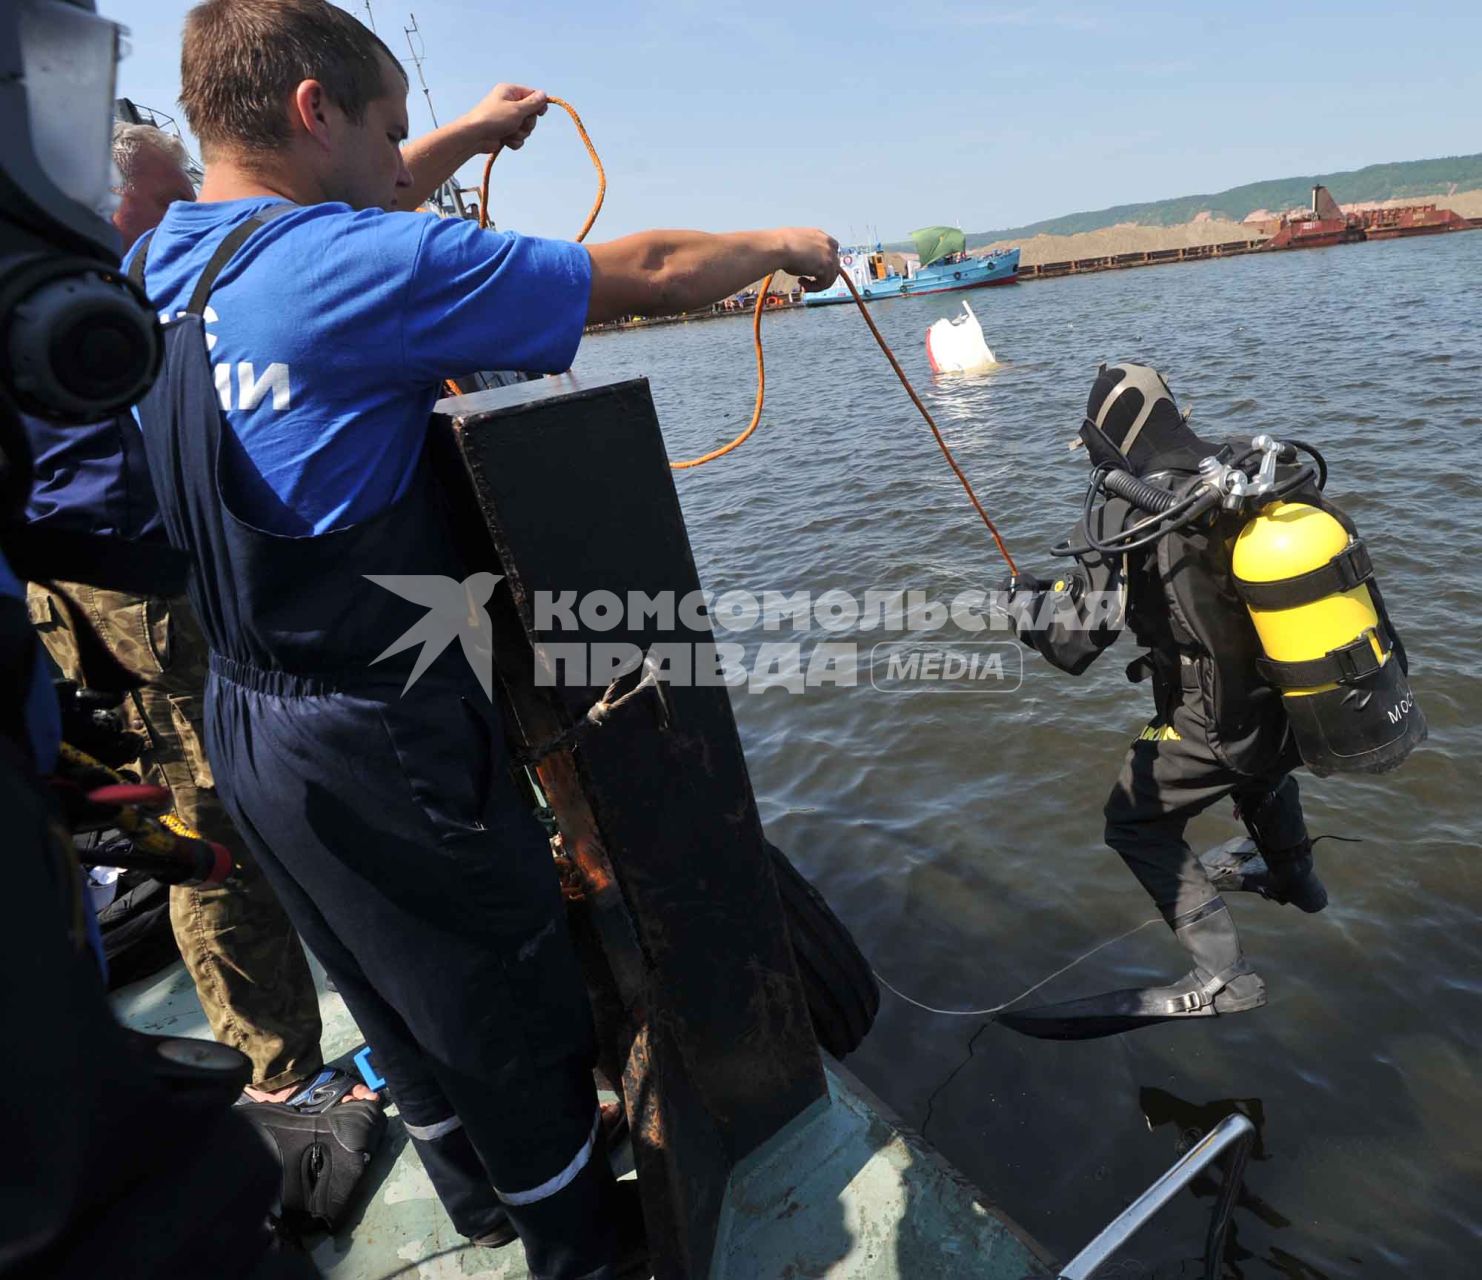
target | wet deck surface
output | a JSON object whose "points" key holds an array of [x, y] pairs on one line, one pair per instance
{"points": [[841, 1193]]}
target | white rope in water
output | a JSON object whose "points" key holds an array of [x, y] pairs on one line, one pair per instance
{"points": [[998, 1008]]}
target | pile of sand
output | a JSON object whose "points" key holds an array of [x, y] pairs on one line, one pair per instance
{"points": [[1131, 237], [1466, 203], [1125, 237]]}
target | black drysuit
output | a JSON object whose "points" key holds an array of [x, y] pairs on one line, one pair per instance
{"points": [[1218, 730]]}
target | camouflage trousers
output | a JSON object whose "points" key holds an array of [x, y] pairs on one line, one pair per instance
{"points": [[248, 965]]}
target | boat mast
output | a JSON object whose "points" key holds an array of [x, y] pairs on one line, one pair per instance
{"points": [[417, 58]]}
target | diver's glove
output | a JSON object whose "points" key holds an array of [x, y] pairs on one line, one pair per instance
{"points": [[1012, 584], [1020, 596]]}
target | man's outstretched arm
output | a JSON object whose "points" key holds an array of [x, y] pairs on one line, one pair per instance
{"points": [[657, 273]]}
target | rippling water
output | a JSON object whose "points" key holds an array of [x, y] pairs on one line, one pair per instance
{"points": [[960, 836]]}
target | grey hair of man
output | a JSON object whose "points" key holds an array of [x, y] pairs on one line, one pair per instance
{"points": [[154, 173], [130, 139]]}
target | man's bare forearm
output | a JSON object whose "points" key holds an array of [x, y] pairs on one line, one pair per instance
{"points": [[434, 158], [666, 272], [501, 122]]}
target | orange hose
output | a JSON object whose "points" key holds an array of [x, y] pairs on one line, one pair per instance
{"points": [[756, 338], [581, 130], [761, 387], [930, 422], [449, 385], [761, 384]]}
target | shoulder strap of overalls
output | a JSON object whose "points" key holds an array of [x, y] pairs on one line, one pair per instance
{"points": [[225, 252], [136, 267]]}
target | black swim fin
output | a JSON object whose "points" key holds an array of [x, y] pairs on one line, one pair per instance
{"points": [[1116, 1012], [1221, 982]]}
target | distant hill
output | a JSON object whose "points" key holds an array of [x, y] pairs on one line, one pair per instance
{"points": [[1405, 178]]}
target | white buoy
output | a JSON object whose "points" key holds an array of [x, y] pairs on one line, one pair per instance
{"points": [[958, 346]]}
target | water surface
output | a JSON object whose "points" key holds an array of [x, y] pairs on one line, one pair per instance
{"points": [[960, 836]]}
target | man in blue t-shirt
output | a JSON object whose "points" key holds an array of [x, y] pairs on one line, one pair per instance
{"points": [[285, 439]]}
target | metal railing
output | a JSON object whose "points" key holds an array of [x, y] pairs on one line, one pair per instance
{"points": [[1233, 1135]]}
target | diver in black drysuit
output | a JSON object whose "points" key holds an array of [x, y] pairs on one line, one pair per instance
{"points": [[1219, 729]]}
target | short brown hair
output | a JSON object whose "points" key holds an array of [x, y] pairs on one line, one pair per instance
{"points": [[241, 60]]}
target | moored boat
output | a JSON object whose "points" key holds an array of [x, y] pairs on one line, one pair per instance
{"points": [[945, 267]]}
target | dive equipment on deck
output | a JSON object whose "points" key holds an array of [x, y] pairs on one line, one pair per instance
{"points": [[78, 342], [323, 1154], [1221, 982], [96, 799]]}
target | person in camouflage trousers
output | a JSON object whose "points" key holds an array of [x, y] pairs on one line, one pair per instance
{"points": [[247, 962], [248, 965]]}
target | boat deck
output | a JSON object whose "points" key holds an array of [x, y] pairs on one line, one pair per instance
{"points": [[843, 1192]]}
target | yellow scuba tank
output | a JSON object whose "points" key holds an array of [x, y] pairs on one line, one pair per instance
{"points": [[1328, 643]]}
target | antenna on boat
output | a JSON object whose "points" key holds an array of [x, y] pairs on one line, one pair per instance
{"points": [[419, 54], [370, 16], [417, 58]]}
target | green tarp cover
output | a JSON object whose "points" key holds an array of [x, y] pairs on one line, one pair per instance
{"points": [[937, 242]]}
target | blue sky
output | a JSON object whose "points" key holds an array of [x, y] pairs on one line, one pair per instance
{"points": [[726, 115]]}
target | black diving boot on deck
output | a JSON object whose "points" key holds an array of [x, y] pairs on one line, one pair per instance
{"points": [[1221, 982]]}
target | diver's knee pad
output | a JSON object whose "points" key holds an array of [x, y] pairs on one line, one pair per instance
{"points": [[323, 1157]]}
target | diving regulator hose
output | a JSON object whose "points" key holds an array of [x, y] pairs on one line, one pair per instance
{"points": [[756, 334], [1171, 509]]}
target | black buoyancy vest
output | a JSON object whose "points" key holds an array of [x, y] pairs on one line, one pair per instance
{"points": [[1183, 608]]}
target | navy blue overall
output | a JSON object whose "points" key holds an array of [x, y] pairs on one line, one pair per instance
{"points": [[390, 826]]}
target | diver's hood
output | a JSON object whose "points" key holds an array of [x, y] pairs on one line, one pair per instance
{"points": [[1132, 419]]}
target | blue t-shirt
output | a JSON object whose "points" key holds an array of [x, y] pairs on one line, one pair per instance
{"points": [[331, 331]]}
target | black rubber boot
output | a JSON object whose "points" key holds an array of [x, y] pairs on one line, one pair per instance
{"points": [[1221, 973], [1284, 876], [1279, 831], [1293, 880]]}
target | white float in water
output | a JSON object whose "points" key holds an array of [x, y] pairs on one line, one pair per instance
{"points": [[958, 346]]}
